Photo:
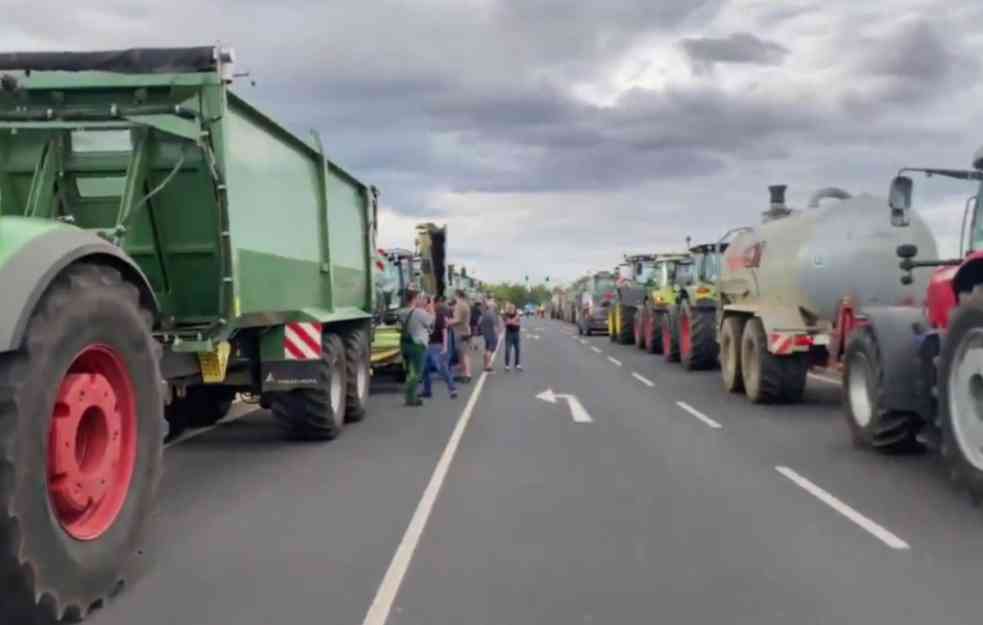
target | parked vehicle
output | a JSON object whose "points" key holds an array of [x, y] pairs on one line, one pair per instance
{"points": [[912, 374], [164, 244], [594, 301], [695, 312], [633, 276], [654, 327], [789, 288]]}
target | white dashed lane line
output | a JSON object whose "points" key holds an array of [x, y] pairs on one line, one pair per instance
{"points": [[614, 361], [595, 349], [699, 415], [641, 378], [878, 531]]}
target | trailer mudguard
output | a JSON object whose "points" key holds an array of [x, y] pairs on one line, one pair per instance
{"points": [[33, 253], [898, 331]]}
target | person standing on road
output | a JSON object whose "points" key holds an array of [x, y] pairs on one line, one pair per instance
{"points": [[460, 326], [489, 326], [438, 352], [513, 323], [415, 335], [476, 311]]}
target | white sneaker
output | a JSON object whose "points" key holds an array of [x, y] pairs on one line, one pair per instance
{"points": [[518, 367], [506, 367]]}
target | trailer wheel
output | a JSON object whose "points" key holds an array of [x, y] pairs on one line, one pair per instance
{"points": [[730, 353], [626, 333], [870, 426], [961, 394], [81, 409], [201, 407], [316, 413], [795, 370], [670, 336], [697, 342], [358, 369], [761, 371]]}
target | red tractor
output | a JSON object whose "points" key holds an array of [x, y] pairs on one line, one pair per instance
{"points": [[914, 376]]}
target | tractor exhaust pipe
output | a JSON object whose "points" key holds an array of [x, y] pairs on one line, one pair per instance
{"points": [[778, 208]]}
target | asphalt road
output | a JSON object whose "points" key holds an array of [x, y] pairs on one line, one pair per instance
{"points": [[665, 500]]}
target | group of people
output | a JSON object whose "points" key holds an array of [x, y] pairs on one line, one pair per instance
{"points": [[436, 336]]}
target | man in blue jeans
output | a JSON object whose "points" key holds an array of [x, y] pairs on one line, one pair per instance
{"points": [[438, 351]]}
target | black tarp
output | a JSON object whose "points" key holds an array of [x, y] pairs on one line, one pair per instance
{"points": [[132, 61]]}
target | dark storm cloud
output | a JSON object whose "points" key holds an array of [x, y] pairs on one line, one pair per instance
{"points": [[705, 52]]}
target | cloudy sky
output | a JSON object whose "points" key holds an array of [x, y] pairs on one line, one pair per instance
{"points": [[552, 136]]}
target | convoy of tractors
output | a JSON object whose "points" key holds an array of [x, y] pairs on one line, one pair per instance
{"points": [[842, 285]]}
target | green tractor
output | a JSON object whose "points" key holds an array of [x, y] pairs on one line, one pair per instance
{"points": [[695, 312], [634, 276], [654, 330]]}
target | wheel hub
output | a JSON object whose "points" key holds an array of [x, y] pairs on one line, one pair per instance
{"points": [[336, 393], [92, 443], [362, 381], [858, 391], [966, 397]]}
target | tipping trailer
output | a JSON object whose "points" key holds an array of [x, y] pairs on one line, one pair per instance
{"points": [[789, 288], [162, 243], [431, 247], [912, 373], [654, 329]]}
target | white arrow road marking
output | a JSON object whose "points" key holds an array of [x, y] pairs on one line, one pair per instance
{"points": [[699, 415], [577, 410], [614, 361], [884, 535], [642, 379]]}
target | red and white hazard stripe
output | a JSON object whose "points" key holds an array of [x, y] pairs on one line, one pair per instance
{"points": [[782, 343], [302, 341]]}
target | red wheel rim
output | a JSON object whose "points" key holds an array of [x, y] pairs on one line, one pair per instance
{"points": [[685, 343], [666, 336], [92, 443]]}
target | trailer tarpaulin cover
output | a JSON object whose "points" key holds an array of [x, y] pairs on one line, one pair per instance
{"points": [[132, 61]]}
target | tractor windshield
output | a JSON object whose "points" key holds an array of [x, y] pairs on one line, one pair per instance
{"points": [[976, 234]]}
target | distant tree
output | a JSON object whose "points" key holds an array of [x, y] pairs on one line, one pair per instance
{"points": [[519, 294]]}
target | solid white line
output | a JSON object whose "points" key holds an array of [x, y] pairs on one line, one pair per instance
{"points": [[642, 379], [699, 415], [879, 532], [614, 361], [823, 378], [382, 604], [595, 349]]}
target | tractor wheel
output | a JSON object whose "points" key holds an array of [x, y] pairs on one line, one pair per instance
{"points": [[888, 432], [730, 353], [316, 413], [697, 341], [961, 394], [200, 407], [639, 327], [761, 371], [80, 447], [358, 369], [653, 333], [613, 323], [670, 336], [626, 332]]}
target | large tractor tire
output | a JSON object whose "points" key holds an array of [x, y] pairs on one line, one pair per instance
{"points": [[730, 353], [358, 371], [653, 333], [316, 413], [81, 433], [697, 339], [200, 407], [638, 326], [626, 328], [888, 432], [961, 394], [613, 320], [670, 336], [761, 371]]}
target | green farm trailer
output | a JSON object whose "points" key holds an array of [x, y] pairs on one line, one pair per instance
{"points": [[164, 245]]}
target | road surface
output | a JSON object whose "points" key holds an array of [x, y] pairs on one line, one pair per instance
{"points": [[674, 502]]}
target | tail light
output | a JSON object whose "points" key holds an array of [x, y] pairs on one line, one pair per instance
{"points": [[702, 292], [803, 340]]}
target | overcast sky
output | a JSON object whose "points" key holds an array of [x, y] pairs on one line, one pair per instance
{"points": [[552, 136]]}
